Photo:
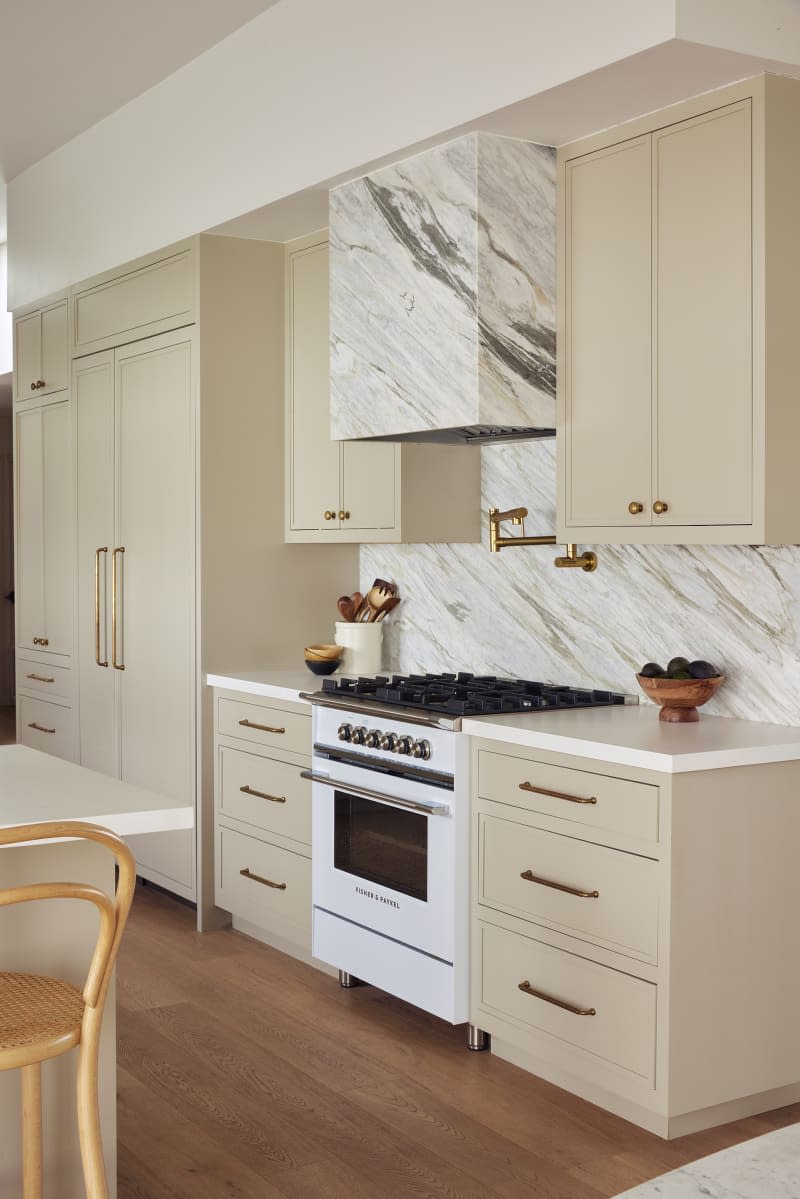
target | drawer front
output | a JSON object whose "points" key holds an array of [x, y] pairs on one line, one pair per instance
{"points": [[601, 804], [270, 727], [152, 299], [265, 793], [49, 727], [622, 1029], [247, 867], [47, 681], [617, 904]]}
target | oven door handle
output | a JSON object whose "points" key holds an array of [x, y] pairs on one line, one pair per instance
{"points": [[412, 805]]}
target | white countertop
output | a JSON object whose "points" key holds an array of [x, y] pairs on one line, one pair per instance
{"points": [[634, 736], [277, 683], [36, 787], [768, 1167]]}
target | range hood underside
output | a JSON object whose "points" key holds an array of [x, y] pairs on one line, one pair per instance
{"points": [[468, 435]]}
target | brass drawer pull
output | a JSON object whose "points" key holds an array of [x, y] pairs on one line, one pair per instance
{"points": [[246, 873], [530, 877], [263, 795], [40, 727], [39, 678], [262, 728], [568, 1007], [557, 794]]}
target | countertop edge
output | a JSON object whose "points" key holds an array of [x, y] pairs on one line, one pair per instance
{"points": [[252, 687], [126, 823]]}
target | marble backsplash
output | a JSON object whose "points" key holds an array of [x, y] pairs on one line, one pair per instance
{"points": [[514, 613]]}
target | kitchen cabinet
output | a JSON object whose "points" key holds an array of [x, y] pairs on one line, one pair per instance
{"points": [[41, 350], [358, 491], [678, 244], [616, 951]]}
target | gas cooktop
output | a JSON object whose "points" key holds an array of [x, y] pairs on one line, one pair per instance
{"points": [[463, 694]]}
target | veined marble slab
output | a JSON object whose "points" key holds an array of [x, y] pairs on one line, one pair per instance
{"points": [[513, 613], [767, 1167], [442, 291]]}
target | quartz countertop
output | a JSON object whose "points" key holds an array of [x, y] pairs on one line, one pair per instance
{"points": [[279, 682], [768, 1167], [36, 787], [632, 735]]}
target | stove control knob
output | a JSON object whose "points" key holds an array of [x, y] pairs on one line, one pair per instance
{"points": [[404, 745], [422, 749], [389, 742], [359, 735], [373, 738], [345, 732]]}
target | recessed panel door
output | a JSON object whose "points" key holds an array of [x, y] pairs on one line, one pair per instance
{"points": [[30, 530], [58, 512]]}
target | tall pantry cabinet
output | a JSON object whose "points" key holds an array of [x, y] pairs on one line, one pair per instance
{"points": [[170, 497]]}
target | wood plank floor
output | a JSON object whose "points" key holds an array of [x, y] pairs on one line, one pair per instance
{"points": [[246, 1075]]}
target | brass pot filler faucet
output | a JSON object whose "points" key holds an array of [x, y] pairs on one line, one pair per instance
{"points": [[586, 560]]}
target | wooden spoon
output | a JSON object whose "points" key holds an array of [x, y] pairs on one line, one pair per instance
{"points": [[346, 609], [389, 606]]}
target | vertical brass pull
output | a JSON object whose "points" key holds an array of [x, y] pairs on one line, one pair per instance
{"points": [[103, 549], [120, 549]]}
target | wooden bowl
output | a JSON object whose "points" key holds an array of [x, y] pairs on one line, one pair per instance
{"points": [[323, 653], [679, 698]]}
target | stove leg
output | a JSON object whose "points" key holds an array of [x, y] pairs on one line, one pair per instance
{"points": [[349, 980], [477, 1039]]}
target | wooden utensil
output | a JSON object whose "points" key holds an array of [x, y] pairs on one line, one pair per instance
{"points": [[376, 598], [346, 609], [389, 606]]}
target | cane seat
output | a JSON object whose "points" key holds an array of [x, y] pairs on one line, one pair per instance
{"points": [[39, 1014]]}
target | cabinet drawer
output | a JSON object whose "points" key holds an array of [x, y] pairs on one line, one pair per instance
{"points": [[49, 727], [270, 727], [618, 904], [47, 681], [152, 299], [604, 805], [622, 1029], [284, 908], [265, 793]]}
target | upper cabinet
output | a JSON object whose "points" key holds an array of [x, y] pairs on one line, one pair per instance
{"points": [[41, 351], [678, 261], [443, 292], [358, 490]]}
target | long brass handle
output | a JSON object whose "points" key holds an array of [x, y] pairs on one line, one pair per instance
{"points": [[568, 1007], [103, 549], [530, 877], [40, 727], [256, 878], [557, 794], [263, 795], [262, 728], [40, 678], [120, 549]]}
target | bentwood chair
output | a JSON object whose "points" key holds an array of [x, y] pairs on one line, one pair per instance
{"points": [[41, 1017]]}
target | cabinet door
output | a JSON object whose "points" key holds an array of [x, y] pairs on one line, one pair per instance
{"points": [[55, 352], [607, 357], [156, 583], [93, 398], [28, 354], [370, 485], [314, 460], [58, 512], [703, 263], [29, 590]]}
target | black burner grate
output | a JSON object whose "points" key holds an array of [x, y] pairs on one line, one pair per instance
{"points": [[466, 694]]}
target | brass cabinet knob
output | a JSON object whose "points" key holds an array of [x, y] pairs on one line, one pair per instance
{"points": [[634, 507], [37, 385], [344, 515], [330, 515], [659, 506], [40, 641]]}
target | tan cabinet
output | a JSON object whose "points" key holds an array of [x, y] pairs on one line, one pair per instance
{"points": [[45, 529], [361, 491], [41, 351], [675, 361]]}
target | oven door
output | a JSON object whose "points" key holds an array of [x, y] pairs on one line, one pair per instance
{"points": [[383, 855]]}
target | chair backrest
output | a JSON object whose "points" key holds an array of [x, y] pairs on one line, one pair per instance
{"points": [[113, 913]]}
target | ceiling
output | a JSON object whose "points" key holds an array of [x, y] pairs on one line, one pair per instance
{"points": [[65, 66]]}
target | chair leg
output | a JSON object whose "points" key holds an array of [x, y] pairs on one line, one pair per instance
{"points": [[94, 1167], [32, 1131]]}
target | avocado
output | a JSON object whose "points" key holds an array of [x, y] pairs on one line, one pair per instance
{"points": [[652, 670], [702, 670], [676, 664], [680, 674]]}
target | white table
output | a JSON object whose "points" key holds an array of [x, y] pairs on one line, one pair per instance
{"points": [[57, 937]]}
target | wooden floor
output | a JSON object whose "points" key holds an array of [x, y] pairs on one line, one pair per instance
{"points": [[246, 1075], [8, 726]]}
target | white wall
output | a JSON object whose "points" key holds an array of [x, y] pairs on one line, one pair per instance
{"points": [[6, 355], [307, 91]]}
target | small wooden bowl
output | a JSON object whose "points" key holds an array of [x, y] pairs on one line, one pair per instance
{"points": [[323, 653], [679, 698]]}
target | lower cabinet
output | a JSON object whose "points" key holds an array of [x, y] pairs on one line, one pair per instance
{"points": [[47, 726], [263, 818]]}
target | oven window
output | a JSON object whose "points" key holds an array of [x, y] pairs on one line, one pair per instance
{"points": [[381, 844]]}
